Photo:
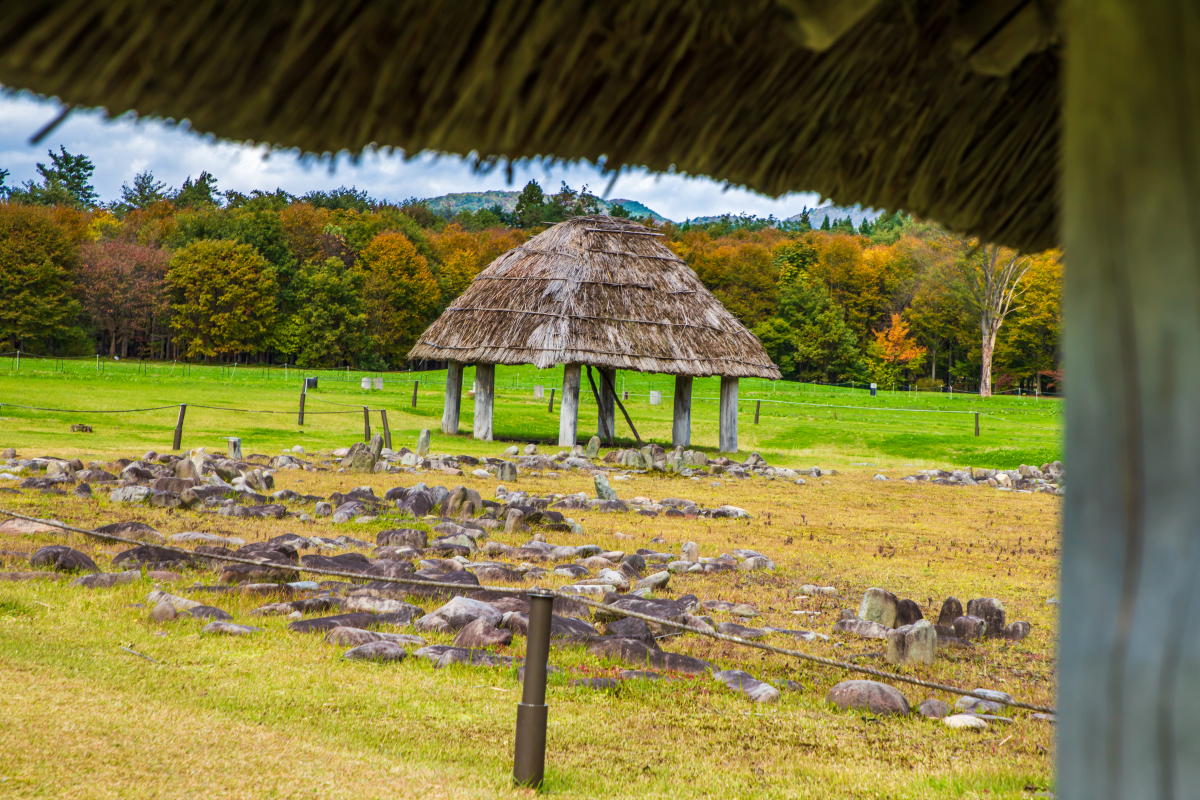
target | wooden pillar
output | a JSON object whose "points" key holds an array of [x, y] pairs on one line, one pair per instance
{"points": [[728, 436], [681, 428], [568, 407], [606, 414], [485, 391], [1128, 701], [454, 376]]}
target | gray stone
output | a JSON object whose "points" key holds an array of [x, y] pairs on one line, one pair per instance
{"points": [[131, 494], [878, 698], [861, 627], [879, 605], [934, 708], [951, 610], [506, 471], [604, 490], [514, 520], [690, 552], [1016, 631], [423, 443], [531, 450], [748, 685], [990, 702], [991, 611], [969, 628], [964, 722], [234, 448], [912, 644], [228, 629], [61, 558], [593, 447], [353, 637], [163, 612], [483, 633], [907, 612], [382, 651], [657, 580], [106, 580], [756, 563]]}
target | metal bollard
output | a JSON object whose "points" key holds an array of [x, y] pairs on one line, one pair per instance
{"points": [[529, 759]]}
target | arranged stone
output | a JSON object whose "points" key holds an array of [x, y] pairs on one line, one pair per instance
{"points": [[637, 653], [748, 685], [209, 612], [482, 633], [604, 490], [61, 558], [381, 651], [456, 615], [163, 612], [912, 644], [1016, 631], [423, 443], [228, 629], [861, 627], [107, 580], [878, 698], [353, 637], [992, 701], [934, 708], [879, 605], [991, 611], [969, 628], [951, 610], [907, 612], [964, 722]]}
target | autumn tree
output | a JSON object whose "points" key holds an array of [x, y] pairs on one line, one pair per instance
{"points": [[892, 351], [222, 297], [990, 281], [400, 294], [38, 310], [122, 288], [328, 326]]}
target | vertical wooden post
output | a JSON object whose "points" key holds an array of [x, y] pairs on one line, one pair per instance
{"points": [[1130, 552], [681, 424], [758, 410], [976, 423], [568, 411], [415, 384], [303, 395], [485, 392], [179, 427], [450, 411], [550, 406], [729, 407], [387, 432], [606, 413], [366, 424]]}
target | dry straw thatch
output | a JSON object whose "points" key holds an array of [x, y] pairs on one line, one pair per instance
{"points": [[946, 109], [596, 291]]}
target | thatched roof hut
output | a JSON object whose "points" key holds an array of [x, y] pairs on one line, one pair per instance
{"points": [[594, 291], [599, 291], [946, 109]]}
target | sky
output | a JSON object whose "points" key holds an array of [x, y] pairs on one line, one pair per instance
{"points": [[123, 147]]}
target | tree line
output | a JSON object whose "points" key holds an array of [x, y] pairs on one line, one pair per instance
{"points": [[339, 278]]}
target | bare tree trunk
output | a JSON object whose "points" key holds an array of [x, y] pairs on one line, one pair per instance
{"points": [[986, 350], [1129, 701]]}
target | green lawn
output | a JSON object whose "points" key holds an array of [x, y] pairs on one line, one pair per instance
{"points": [[799, 424]]}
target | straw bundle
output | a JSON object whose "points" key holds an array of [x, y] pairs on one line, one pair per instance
{"points": [[951, 115], [597, 291]]}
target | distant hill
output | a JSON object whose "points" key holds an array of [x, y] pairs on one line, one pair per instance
{"points": [[473, 201], [817, 216]]}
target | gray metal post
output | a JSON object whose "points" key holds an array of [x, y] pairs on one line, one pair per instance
{"points": [[529, 760]]}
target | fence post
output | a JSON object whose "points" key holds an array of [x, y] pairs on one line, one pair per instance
{"points": [[976, 423], [415, 384], [529, 759], [179, 427], [757, 409], [18, 361], [303, 394], [366, 424], [387, 432], [550, 407]]}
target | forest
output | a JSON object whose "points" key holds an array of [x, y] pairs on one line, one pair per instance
{"points": [[339, 278]]}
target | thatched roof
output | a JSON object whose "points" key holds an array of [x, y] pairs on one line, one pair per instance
{"points": [[913, 104], [598, 291]]}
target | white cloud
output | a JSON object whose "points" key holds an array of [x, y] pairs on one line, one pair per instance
{"points": [[123, 147]]}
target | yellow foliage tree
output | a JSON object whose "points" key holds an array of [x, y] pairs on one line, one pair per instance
{"points": [[893, 351], [400, 294]]}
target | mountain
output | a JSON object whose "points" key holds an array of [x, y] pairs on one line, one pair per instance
{"points": [[473, 201], [817, 216]]}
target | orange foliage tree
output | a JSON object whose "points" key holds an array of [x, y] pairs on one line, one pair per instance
{"points": [[400, 295], [893, 351]]}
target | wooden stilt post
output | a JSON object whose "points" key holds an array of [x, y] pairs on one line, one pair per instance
{"points": [[568, 412], [681, 425], [606, 412], [485, 392], [450, 412], [728, 426], [178, 442]]}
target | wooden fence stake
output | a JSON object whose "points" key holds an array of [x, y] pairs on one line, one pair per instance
{"points": [[976, 423], [387, 432], [757, 409], [550, 407], [415, 384], [179, 427], [366, 424], [303, 394]]}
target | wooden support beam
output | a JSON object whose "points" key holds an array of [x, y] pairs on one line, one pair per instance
{"points": [[450, 412], [568, 412], [728, 441], [485, 393], [681, 427], [606, 412]]}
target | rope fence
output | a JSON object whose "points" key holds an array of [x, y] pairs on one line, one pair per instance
{"points": [[458, 587]]}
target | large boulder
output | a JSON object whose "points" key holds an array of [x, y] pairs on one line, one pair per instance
{"points": [[878, 698]]}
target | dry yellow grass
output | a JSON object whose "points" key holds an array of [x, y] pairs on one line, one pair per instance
{"points": [[281, 715]]}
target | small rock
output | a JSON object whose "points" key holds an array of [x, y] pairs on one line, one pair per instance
{"points": [[1016, 631], [423, 443], [604, 490], [381, 651], [934, 708], [748, 685], [969, 628], [163, 612], [531, 450], [878, 698], [991, 611], [593, 447], [964, 722], [657, 580], [228, 629], [506, 471]]}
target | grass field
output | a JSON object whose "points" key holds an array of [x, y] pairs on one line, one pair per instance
{"points": [[281, 715], [800, 424]]}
